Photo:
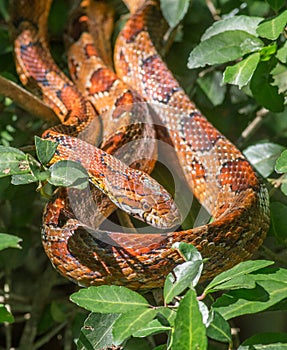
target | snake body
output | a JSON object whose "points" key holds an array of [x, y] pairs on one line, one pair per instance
{"points": [[219, 175]]}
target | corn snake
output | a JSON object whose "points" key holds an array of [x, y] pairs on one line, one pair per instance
{"points": [[218, 174]]}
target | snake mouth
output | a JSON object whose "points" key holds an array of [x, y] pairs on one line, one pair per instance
{"points": [[168, 220]]}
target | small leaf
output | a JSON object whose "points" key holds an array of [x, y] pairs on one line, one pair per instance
{"points": [[241, 73], [96, 334], [109, 299], [267, 52], [281, 163], [245, 23], [183, 276], [9, 241], [219, 329], [153, 327], [68, 173], [12, 161], [238, 270], [211, 85], [244, 281], [263, 91], [271, 287], [272, 28], [279, 75], [265, 341], [188, 251], [282, 53], [174, 11], [131, 322], [23, 179], [263, 156], [278, 213], [45, 149], [223, 47], [189, 330], [166, 315], [5, 315], [276, 4]]}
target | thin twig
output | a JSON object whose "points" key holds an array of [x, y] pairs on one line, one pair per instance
{"points": [[41, 296], [269, 254], [213, 10], [253, 126], [26, 100], [48, 336]]}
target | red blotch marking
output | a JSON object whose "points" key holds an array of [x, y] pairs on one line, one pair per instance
{"points": [[101, 80], [158, 79], [90, 50], [73, 101], [238, 174], [133, 28], [123, 104]]}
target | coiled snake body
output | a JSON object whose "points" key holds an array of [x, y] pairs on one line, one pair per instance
{"points": [[217, 172]]}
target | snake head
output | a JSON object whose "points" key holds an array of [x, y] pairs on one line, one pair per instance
{"points": [[155, 206]]}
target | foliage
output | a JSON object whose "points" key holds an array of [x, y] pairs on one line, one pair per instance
{"points": [[236, 53]]}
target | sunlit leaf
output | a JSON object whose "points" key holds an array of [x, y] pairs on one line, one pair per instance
{"points": [[223, 47], [241, 73], [245, 23], [96, 333], [263, 156], [109, 299], [272, 28], [174, 11], [189, 330], [9, 241]]}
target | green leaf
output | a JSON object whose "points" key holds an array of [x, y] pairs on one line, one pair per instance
{"points": [[281, 163], [153, 327], [5, 315], [23, 179], [235, 272], [244, 281], [166, 315], [188, 251], [267, 52], [163, 322], [266, 94], [276, 4], [223, 47], [12, 161], [265, 341], [45, 149], [245, 23], [9, 241], [283, 186], [96, 334], [189, 330], [219, 329], [241, 73], [272, 28], [278, 213], [279, 75], [282, 53], [211, 85], [174, 11], [68, 173], [263, 156], [109, 299], [183, 276], [271, 287], [131, 322]]}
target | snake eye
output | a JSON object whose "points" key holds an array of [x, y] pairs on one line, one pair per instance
{"points": [[146, 207]]}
